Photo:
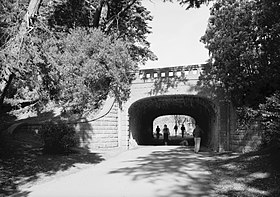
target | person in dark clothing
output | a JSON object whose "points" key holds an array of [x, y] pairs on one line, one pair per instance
{"points": [[157, 132], [175, 129], [197, 134], [165, 134], [183, 129]]}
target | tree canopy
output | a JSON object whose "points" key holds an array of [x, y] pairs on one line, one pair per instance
{"points": [[243, 42], [50, 51], [62, 38], [191, 3], [90, 66]]}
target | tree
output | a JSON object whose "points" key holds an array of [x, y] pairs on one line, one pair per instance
{"points": [[180, 119], [191, 3], [11, 43], [125, 19], [32, 67], [270, 114], [89, 66], [38, 70], [243, 42]]}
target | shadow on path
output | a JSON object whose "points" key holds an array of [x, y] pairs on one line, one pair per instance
{"points": [[25, 165], [255, 173], [177, 172]]}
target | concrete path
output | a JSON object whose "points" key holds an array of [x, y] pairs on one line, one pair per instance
{"points": [[148, 171]]}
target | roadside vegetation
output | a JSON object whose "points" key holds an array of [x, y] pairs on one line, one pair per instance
{"points": [[255, 173]]}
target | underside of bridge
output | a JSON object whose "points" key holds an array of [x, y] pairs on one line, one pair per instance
{"points": [[143, 112]]}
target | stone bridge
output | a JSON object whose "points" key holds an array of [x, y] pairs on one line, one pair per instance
{"points": [[159, 92], [166, 91]]}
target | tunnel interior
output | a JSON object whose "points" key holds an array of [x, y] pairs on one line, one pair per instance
{"points": [[143, 112]]}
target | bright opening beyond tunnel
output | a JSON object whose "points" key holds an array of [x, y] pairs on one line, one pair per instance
{"points": [[145, 114], [175, 124]]}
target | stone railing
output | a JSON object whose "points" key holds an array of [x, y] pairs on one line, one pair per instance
{"points": [[188, 71]]}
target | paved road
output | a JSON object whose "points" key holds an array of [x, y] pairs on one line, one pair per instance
{"points": [[148, 171]]}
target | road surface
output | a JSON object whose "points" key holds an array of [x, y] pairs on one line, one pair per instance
{"points": [[147, 171]]}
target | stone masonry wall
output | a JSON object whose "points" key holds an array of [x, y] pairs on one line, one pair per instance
{"points": [[98, 134], [244, 139], [223, 126], [233, 137], [101, 133]]}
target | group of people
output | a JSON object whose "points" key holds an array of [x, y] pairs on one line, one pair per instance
{"points": [[165, 131], [197, 133], [183, 130]]}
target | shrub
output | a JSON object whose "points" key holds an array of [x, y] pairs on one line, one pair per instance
{"points": [[270, 112], [58, 137]]}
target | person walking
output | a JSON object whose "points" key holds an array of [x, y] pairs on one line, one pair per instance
{"points": [[183, 129], [197, 133], [157, 132], [166, 133], [175, 129]]}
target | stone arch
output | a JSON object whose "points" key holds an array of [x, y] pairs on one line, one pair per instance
{"points": [[143, 111]]}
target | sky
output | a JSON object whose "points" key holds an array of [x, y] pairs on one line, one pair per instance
{"points": [[176, 34]]}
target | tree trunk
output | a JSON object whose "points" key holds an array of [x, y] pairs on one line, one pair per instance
{"points": [[97, 14], [5, 90]]}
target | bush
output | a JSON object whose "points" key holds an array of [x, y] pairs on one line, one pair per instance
{"points": [[58, 137], [270, 112]]}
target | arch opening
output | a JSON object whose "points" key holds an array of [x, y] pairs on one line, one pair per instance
{"points": [[175, 123], [143, 112]]}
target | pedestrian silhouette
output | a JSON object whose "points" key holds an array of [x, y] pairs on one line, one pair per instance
{"points": [[175, 129], [197, 134], [157, 132], [165, 134], [183, 129]]}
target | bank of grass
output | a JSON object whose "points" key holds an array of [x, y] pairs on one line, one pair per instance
{"points": [[250, 174]]}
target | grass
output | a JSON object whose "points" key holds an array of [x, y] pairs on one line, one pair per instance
{"points": [[250, 174]]}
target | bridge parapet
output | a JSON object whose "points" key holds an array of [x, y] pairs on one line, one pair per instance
{"points": [[183, 72]]}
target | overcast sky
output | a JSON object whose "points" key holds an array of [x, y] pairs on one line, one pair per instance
{"points": [[176, 34]]}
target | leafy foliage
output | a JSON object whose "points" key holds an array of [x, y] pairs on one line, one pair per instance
{"points": [[90, 65], [243, 41], [270, 112], [124, 19], [12, 58], [11, 13], [30, 69], [191, 3], [132, 26], [58, 137], [96, 64]]}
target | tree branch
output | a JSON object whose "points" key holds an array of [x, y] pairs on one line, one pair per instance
{"points": [[110, 21]]}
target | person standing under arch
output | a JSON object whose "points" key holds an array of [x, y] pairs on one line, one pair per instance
{"points": [[165, 134], [183, 129], [157, 132], [175, 129], [197, 133]]}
